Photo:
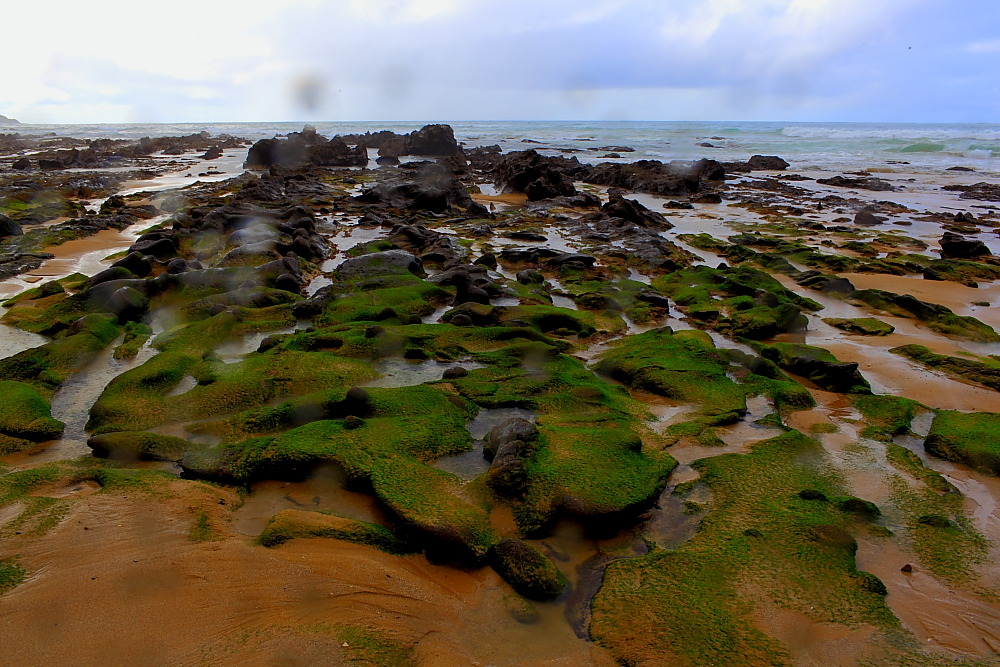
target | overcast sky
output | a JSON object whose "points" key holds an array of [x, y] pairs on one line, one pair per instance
{"points": [[216, 60]]}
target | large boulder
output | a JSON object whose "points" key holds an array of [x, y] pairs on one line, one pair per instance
{"points": [[766, 163], [438, 140], [8, 227], [535, 175], [679, 177], [954, 246], [434, 188], [514, 429], [634, 212]]}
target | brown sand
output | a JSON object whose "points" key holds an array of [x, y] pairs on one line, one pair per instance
{"points": [[120, 577]]}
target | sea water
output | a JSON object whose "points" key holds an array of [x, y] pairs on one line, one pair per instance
{"points": [[821, 146]]}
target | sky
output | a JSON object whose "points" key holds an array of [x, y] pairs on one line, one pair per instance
{"points": [[409, 60]]}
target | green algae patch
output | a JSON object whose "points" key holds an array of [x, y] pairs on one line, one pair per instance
{"points": [[761, 545], [527, 570], [590, 461], [25, 417], [909, 463], [385, 450], [294, 524], [864, 326], [406, 295], [135, 337], [887, 416], [139, 445], [141, 398], [936, 317], [741, 301], [817, 365], [47, 366], [11, 574], [364, 646], [984, 370], [684, 366], [972, 439]]}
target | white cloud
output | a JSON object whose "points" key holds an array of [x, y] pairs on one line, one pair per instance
{"points": [[992, 46]]}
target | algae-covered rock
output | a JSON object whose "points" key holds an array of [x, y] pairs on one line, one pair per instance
{"points": [[972, 438], [139, 445], [818, 366], [375, 264], [864, 326], [291, 524], [25, 417], [985, 370], [526, 569], [938, 318]]}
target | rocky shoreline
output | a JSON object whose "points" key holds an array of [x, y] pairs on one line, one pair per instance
{"points": [[686, 361]]}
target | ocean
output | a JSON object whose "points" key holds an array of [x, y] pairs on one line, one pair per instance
{"points": [[807, 146]]}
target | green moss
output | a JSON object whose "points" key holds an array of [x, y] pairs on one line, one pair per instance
{"points": [[936, 317], [25, 417], [969, 438], [885, 415], [909, 463], [984, 370], [386, 451], [527, 570], [11, 574], [139, 445], [865, 326], [683, 366], [823, 427], [817, 365], [136, 335], [799, 554], [365, 646], [201, 530], [292, 524]]}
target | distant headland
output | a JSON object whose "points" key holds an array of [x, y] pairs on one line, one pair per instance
{"points": [[9, 121]]}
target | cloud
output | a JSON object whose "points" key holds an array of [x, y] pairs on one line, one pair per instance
{"points": [[991, 46], [454, 59]]}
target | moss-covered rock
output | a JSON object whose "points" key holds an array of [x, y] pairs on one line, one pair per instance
{"points": [[864, 326], [936, 317], [139, 445], [984, 370], [25, 417], [817, 365], [526, 569], [292, 524], [972, 438], [684, 366]]}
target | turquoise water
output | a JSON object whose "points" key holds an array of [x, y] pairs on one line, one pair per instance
{"points": [[826, 146]]}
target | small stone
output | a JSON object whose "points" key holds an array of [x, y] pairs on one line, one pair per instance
{"points": [[906, 568], [346, 645]]}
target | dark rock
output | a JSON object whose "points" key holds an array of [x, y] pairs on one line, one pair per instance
{"points": [[488, 260], [8, 227], [530, 277], [390, 160], [432, 140], [907, 568], [176, 266], [634, 212], [766, 163], [21, 164], [454, 372], [527, 570], [536, 176], [675, 178], [867, 218], [515, 429], [864, 183], [954, 246]]}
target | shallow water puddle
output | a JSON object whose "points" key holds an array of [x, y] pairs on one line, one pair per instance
{"points": [[323, 492], [72, 401], [395, 372], [470, 465]]}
